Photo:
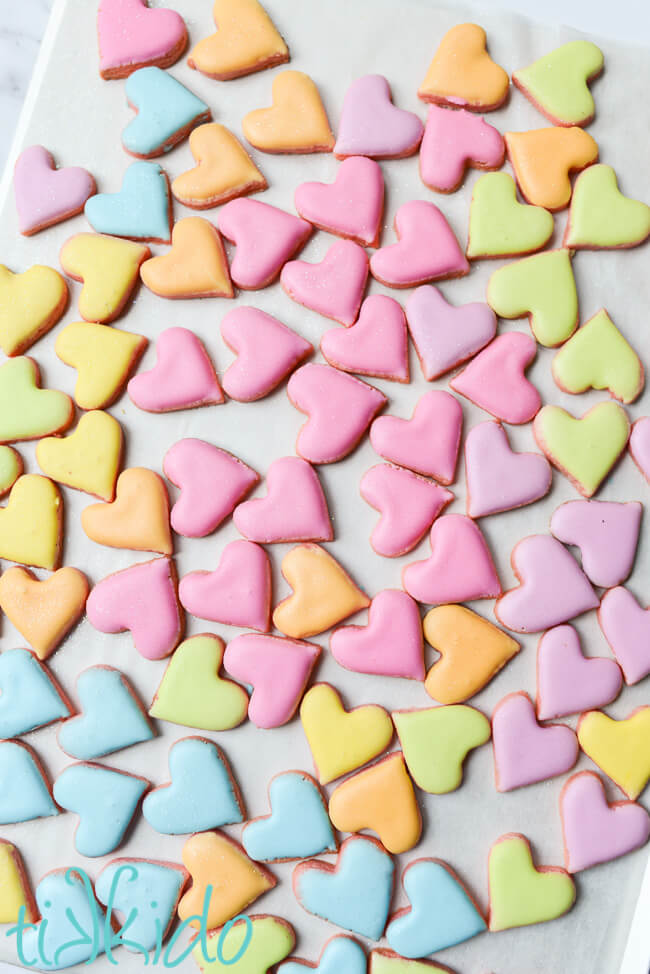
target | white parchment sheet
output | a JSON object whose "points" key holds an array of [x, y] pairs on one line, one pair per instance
{"points": [[79, 118]]}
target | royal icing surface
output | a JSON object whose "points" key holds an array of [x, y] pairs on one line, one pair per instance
{"points": [[427, 249], [436, 742], [462, 73], [26, 792], [132, 35], [16, 892], [294, 509], [271, 941], [601, 216], [223, 171], [46, 195], [377, 345], [626, 627], [444, 335], [520, 892], [31, 529], [454, 140], [334, 287], [352, 206], [606, 533], [569, 682], [524, 751], [30, 698], [109, 268], [496, 382], [237, 592], [30, 304], [11, 467], [141, 209], [246, 40], [339, 953], [298, 826], [195, 267], [61, 896], [296, 122], [393, 621], [145, 893], [103, 357], [27, 411], [165, 112], [182, 378], [498, 478], [619, 747], [265, 238], [44, 611], [371, 125], [639, 445], [597, 356], [89, 458], [501, 226], [544, 159], [267, 351], [138, 518], [557, 83], [428, 442]]}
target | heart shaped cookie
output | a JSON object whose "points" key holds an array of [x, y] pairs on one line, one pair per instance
{"points": [[28, 412], [544, 159], [526, 752], [30, 304], [223, 171], [462, 73], [11, 467], [619, 747], [126, 885], [298, 826], [444, 335], [626, 627], [639, 445], [89, 458], [427, 249], [294, 509], [236, 593], [495, 380], [334, 287], [267, 351], [454, 141], [166, 111], [371, 125], [351, 206], [393, 620], [46, 195], [569, 682], [59, 894], [265, 238], [31, 523], [138, 518], [597, 356], [16, 897], [436, 742], [109, 268], [520, 892], [296, 122], [498, 478], [501, 226], [103, 357], [31, 698], [377, 345], [601, 217], [558, 83], [132, 35], [18, 762], [195, 267], [607, 534], [246, 41], [271, 940], [141, 209], [428, 442], [182, 378], [44, 611]]}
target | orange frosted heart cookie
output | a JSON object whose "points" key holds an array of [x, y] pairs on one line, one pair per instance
{"points": [[543, 160], [462, 73], [296, 122], [246, 41], [45, 611], [195, 267], [138, 518], [223, 170]]}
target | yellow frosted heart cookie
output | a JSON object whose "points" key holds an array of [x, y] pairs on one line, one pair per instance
{"points": [[30, 304], [598, 357], [15, 891], [223, 171], [323, 593], [11, 467], [462, 73], [108, 267], [43, 611], [87, 459], [195, 267], [138, 518], [543, 160], [103, 357], [501, 226], [341, 740], [620, 748], [28, 412], [31, 523], [246, 41], [295, 123]]}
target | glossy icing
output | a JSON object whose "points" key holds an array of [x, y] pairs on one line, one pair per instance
{"points": [[557, 83], [606, 532], [29, 696], [463, 74], [296, 122], [377, 345], [15, 892], [597, 356], [103, 357], [246, 40], [495, 380], [30, 304], [601, 217], [339, 953], [333, 287], [138, 518], [569, 682], [272, 939], [223, 171], [43, 611], [31, 529], [498, 478], [454, 141], [25, 792], [428, 442], [501, 226], [267, 351], [427, 249], [520, 892], [619, 747], [165, 112], [390, 644], [436, 741], [132, 35], [27, 411], [87, 459], [294, 509], [109, 268], [298, 826], [46, 195], [639, 445], [11, 467], [151, 889], [141, 209], [265, 238], [182, 378], [371, 125], [626, 627], [544, 159], [237, 592], [524, 751], [351, 206], [446, 335], [195, 267], [61, 895]]}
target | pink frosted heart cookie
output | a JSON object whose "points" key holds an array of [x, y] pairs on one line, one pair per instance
{"points": [[334, 287], [278, 669], [294, 508], [427, 249], [606, 533], [391, 642], [408, 504], [460, 567], [46, 195], [352, 206], [569, 682], [498, 479], [552, 589], [377, 345], [639, 445], [428, 442], [595, 831], [444, 335], [626, 627], [182, 378], [265, 238], [237, 593], [524, 751], [371, 125], [212, 482], [495, 379], [144, 600], [132, 35], [340, 410], [454, 140]]}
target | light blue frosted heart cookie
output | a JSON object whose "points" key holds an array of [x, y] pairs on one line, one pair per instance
{"points": [[28, 697], [105, 801], [441, 914], [341, 955], [141, 210], [147, 891], [202, 793], [112, 717], [24, 791], [355, 893], [298, 826], [166, 112]]}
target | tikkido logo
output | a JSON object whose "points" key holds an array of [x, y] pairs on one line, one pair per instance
{"points": [[102, 938]]}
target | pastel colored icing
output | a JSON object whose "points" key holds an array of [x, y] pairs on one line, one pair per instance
{"points": [[111, 716], [436, 741], [103, 357], [558, 83], [31, 523], [408, 505], [246, 41], [192, 691], [195, 267], [340, 740], [132, 35], [124, 600], [298, 826], [619, 747], [323, 593], [543, 160], [265, 238], [141, 209], [427, 249], [294, 509], [454, 141], [138, 518], [165, 112], [145, 892], [639, 445], [382, 961], [278, 670], [377, 345], [584, 449], [498, 478], [16, 894], [267, 351], [182, 378], [520, 892], [334, 287], [607, 534], [441, 914], [296, 122], [46, 195], [601, 217], [463, 74], [351, 206], [237, 592], [211, 481], [446, 335], [626, 627], [496, 382], [43, 611], [339, 407], [597, 356], [224, 169], [553, 589], [371, 125], [65, 903], [201, 795], [29, 697], [501, 226], [339, 953], [11, 467], [24, 792], [27, 411], [104, 799], [390, 644], [595, 831], [109, 268], [271, 941], [543, 288], [428, 442], [569, 682], [30, 304], [89, 458], [355, 893], [460, 567], [524, 751]]}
